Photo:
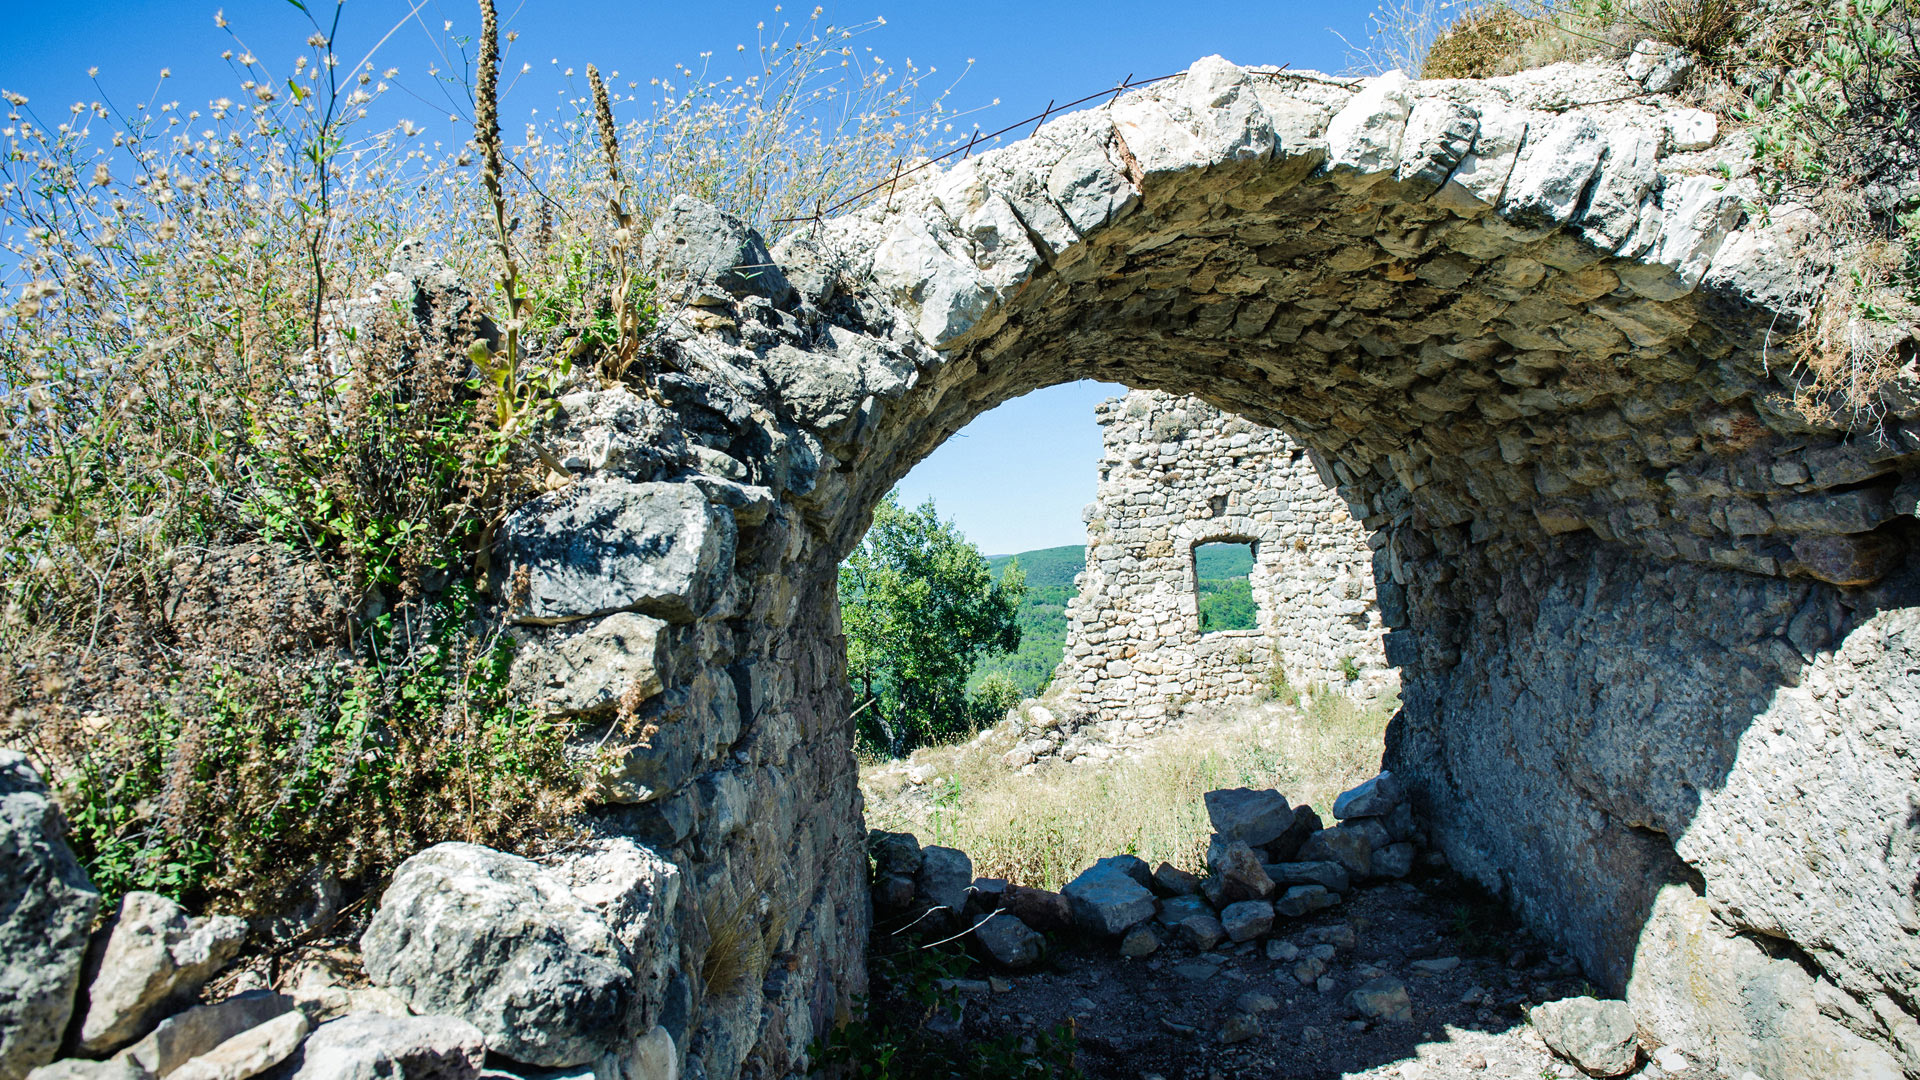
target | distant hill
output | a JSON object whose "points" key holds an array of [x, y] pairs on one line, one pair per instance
{"points": [[1058, 565], [1219, 561], [1047, 566], [1225, 604]]}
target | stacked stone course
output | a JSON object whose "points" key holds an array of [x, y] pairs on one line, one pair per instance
{"points": [[1178, 473]]}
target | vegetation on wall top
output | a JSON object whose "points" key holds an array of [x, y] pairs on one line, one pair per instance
{"points": [[244, 622]]}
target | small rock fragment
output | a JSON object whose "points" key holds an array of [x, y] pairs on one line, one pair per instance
{"points": [[1329, 874], [945, 873], [1339, 935], [1375, 798], [114, 1068], [1202, 932], [1601, 1037], [184, 1036], [1236, 874], [1393, 861], [1255, 1003], [1255, 818], [1170, 880], [1384, 998], [1007, 941], [373, 1046], [1309, 969], [1247, 919], [1304, 899], [1107, 900], [1342, 844], [249, 1053], [1042, 910], [1139, 942], [1239, 1028]]}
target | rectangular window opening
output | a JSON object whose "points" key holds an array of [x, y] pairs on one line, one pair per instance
{"points": [[1225, 594]]}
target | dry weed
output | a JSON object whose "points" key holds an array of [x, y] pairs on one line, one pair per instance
{"points": [[1043, 829], [1485, 41], [184, 368]]}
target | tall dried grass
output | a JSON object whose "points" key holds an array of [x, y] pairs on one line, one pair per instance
{"points": [[184, 370], [1043, 829]]}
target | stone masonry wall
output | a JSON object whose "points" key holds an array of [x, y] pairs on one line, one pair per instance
{"points": [[1654, 622], [1177, 473]]}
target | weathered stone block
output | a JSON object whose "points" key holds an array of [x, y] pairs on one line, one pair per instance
{"points": [[47, 906], [601, 546]]}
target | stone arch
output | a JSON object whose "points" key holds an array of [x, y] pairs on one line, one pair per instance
{"points": [[1658, 627]]}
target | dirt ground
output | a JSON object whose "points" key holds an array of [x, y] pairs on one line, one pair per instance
{"points": [[1171, 1015]]}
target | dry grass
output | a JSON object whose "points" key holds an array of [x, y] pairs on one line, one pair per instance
{"points": [[1859, 342], [184, 369], [1042, 829], [1708, 29], [1484, 42], [743, 931]]}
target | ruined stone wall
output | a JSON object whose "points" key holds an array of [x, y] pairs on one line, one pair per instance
{"points": [[1177, 473], [1655, 624]]}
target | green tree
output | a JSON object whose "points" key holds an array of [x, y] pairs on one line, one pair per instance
{"points": [[920, 607], [1227, 604]]}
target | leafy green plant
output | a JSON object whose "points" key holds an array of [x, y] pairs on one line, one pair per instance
{"points": [[237, 782], [1842, 117], [919, 606], [200, 355]]}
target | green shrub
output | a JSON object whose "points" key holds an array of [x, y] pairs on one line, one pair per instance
{"points": [[238, 781], [920, 607]]}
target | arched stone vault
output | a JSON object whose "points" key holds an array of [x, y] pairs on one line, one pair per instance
{"points": [[1660, 642]]}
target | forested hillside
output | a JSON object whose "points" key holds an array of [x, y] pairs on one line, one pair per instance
{"points": [[1226, 602]]}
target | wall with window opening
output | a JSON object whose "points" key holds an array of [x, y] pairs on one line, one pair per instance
{"points": [[1190, 499]]}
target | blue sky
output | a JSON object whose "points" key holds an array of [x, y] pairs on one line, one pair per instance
{"points": [[1022, 473]]}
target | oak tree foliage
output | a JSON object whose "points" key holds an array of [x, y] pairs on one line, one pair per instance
{"points": [[920, 607]]}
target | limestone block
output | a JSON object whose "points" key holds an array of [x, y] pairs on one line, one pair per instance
{"points": [[504, 944], [47, 906], [152, 959], [187, 1035], [375, 1046], [692, 240], [579, 670], [1007, 941], [1366, 135], [602, 546], [1107, 901], [1553, 173], [1247, 919], [1599, 1036], [249, 1053]]}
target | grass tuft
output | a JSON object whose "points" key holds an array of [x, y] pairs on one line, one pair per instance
{"points": [[1043, 829]]}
